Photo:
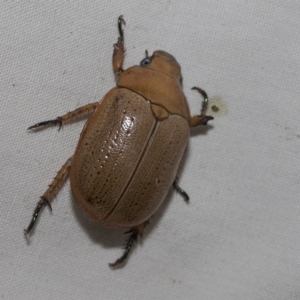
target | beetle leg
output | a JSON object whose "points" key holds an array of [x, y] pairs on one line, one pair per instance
{"points": [[118, 54], [70, 116], [201, 119], [129, 244], [135, 232], [53, 189], [180, 190]]}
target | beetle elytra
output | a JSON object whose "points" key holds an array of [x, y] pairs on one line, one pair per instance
{"points": [[131, 146]]}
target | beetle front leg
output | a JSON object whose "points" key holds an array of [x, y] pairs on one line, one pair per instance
{"points": [[118, 55], [70, 116], [135, 232], [201, 119], [53, 189]]}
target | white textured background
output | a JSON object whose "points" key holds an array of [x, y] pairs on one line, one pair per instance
{"points": [[239, 238]]}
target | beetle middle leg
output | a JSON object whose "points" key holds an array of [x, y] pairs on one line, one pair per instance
{"points": [[70, 116], [135, 232], [181, 191], [118, 54], [53, 189]]}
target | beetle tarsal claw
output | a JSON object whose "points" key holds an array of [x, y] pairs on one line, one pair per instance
{"points": [[120, 22], [200, 120], [44, 201], [47, 123], [47, 202]]}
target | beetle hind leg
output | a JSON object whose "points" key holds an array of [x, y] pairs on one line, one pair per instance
{"points": [[133, 237], [50, 193], [135, 232]]}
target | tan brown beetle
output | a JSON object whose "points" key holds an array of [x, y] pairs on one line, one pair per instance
{"points": [[131, 146]]}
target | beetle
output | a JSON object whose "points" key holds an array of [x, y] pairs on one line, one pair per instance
{"points": [[131, 146]]}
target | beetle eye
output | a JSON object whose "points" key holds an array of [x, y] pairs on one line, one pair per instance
{"points": [[146, 61]]}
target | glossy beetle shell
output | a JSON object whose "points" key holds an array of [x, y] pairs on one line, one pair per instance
{"points": [[130, 149]]}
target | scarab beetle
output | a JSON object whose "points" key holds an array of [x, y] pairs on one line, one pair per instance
{"points": [[131, 146]]}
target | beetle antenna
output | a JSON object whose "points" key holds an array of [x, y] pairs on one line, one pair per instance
{"points": [[128, 247], [120, 22], [146, 52]]}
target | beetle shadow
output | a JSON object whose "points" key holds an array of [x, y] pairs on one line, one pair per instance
{"points": [[201, 130], [98, 234], [114, 237], [195, 131]]}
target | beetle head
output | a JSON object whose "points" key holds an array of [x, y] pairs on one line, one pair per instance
{"points": [[164, 62]]}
